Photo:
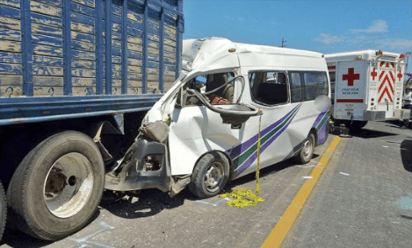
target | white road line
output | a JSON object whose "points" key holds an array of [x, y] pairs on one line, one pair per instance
{"points": [[84, 242], [214, 204], [307, 177]]}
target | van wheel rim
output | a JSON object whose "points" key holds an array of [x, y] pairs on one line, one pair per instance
{"points": [[213, 177], [68, 185], [307, 148]]}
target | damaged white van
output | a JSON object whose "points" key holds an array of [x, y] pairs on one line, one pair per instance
{"points": [[204, 131]]}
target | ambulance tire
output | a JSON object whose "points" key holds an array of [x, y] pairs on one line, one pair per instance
{"points": [[58, 186], [210, 175], [356, 125], [305, 154], [3, 211]]}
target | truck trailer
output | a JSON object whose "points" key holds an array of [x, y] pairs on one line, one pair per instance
{"points": [[76, 79]]}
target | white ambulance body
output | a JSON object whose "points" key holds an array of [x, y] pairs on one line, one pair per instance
{"points": [[367, 85]]}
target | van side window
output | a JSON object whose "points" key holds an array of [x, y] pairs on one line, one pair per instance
{"points": [[316, 83], [269, 87], [296, 87]]}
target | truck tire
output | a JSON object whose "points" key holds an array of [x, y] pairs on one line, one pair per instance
{"points": [[57, 187], [306, 153], [210, 175], [3, 210]]}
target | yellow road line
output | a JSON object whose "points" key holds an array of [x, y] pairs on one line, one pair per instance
{"points": [[282, 228]]}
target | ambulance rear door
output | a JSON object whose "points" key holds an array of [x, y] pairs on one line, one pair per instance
{"points": [[387, 77], [350, 90]]}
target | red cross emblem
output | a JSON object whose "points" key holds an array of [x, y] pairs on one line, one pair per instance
{"points": [[374, 74], [400, 75], [351, 76]]}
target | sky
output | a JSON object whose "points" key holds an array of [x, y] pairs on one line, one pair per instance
{"points": [[321, 26]]}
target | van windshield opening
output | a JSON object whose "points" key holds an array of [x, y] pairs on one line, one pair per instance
{"points": [[217, 86]]}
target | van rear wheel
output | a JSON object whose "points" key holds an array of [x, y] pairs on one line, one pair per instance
{"points": [[210, 175], [57, 187], [306, 153]]}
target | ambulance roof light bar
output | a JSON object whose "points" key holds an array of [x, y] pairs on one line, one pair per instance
{"points": [[401, 57], [394, 56]]}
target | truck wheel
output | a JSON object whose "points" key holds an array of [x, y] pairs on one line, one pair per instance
{"points": [[306, 153], [3, 210], [57, 187], [210, 175]]}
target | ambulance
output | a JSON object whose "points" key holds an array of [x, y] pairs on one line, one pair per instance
{"points": [[366, 86]]}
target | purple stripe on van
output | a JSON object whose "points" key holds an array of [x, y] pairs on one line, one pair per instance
{"points": [[236, 151], [252, 158]]}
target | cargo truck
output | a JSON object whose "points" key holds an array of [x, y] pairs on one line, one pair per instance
{"points": [[76, 79]]}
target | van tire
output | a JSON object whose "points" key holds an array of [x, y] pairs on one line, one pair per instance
{"points": [[3, 210], [306, 153], [46, 195], [210, 175]]}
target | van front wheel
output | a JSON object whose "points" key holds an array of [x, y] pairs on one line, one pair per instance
{"points": [[210, 175], [306, 153]]}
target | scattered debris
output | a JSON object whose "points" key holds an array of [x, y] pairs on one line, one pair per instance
{"points": [[242, 198]]}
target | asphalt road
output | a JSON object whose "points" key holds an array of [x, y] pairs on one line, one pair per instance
{"points": [[363, 199]]}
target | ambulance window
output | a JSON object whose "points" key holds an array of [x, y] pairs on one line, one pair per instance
{"points": [[332, 76], [316, 83], [269, 87], [295, 87]]}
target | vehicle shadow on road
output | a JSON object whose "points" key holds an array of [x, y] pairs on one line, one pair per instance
{"points": [[15, 238], [150, 202], [366, 133], [406, 154], [264, 172], [18, 239], [398, 124], [147, 203]]}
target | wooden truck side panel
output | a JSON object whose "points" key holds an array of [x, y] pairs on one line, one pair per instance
{"points": [[60, 49]]}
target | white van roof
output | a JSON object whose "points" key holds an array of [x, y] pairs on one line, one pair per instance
{"points": [[220, 53]]}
